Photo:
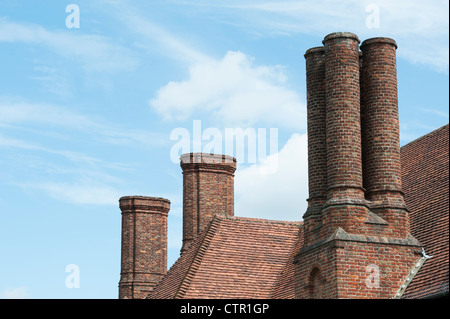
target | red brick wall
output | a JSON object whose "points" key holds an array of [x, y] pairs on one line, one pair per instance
{"points": [[208, 189], [144, 244], [354, 269]]}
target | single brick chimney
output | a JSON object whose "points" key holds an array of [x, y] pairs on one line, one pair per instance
{"points": [[208, 189], [381, 138], [144, 244], [317, 135], [357, 242]]}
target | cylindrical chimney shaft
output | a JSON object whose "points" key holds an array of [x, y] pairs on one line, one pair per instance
{"points": [[144, 244], [317, 150], [381, 137], [342, 78], [316, 112], [381, 126], [208, 190]]}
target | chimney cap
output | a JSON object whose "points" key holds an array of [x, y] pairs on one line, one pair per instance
{"points": [[144, 203], [314, 50], [335, 35], [378, 40], [145, 198], [207, 158]]}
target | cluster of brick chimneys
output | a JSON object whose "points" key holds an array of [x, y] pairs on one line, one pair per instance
{"points": [[353, 134], [356, 218], [208, 190], [356, 215]]}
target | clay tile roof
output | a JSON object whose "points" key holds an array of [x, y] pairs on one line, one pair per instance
{"points": [[235, 257], [425, 179]]}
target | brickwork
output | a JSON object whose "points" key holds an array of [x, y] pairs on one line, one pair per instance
{"points": [[356, 231], [355, 267], [344, 171], [317, 157], [208, 189], [381, 143], [381, 132], [144, 244]]}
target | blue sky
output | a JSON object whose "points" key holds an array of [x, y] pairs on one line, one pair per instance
{"points": [[87, 113]]}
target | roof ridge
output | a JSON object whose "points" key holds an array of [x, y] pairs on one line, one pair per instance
{"points": [[197, 260], [261, 220], [427, 135]]}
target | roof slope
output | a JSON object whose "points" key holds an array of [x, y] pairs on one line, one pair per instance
{"points": [[235, 257], [425, 179]]}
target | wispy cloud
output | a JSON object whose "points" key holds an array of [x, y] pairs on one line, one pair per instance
{"points": [[420, 28], [94, 52], [79, 193], [58, 165], [71, 176], [153, 36], [52, 80], [435, 112], [16, 112], [15, 293]]}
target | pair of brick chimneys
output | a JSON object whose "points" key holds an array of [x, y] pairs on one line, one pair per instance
{"points": [[208, 190], [356, 228]]}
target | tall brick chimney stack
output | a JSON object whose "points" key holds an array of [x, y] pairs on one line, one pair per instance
{"points": [[357, 242], [343, 131], [144, 244], [208, 190], [381, 143], [317, 151]]}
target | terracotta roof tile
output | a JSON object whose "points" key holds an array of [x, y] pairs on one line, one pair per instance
{"points": [[425, 179], [235, 257]]}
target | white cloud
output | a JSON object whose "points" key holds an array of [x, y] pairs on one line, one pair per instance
{"points": [[235, 91], [232, 89], [16, 293], [96, 53], [280, 196]]}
